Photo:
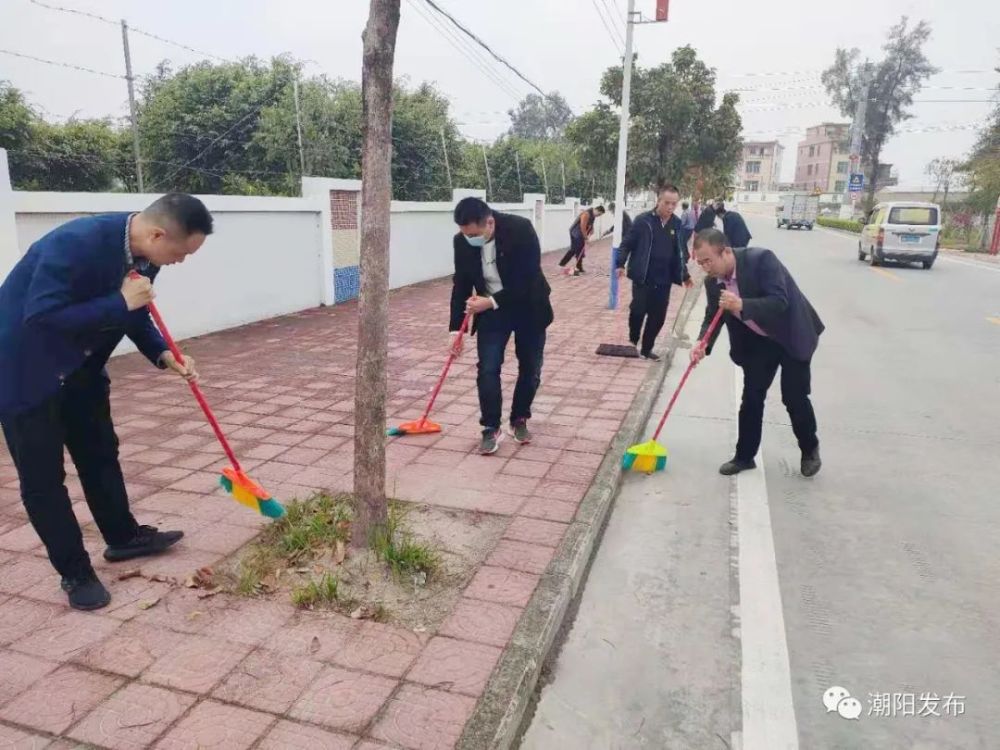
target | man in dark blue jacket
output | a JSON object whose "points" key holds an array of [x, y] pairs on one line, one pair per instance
{"points": [[733, 226], [63, 309], [655, 259], [771, 324]]}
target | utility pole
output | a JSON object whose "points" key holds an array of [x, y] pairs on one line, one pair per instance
{"points": [[131, 107], [447, 166], [520, 187], [298, 125], [545, 180], [857, 133], [489, 180], [616, 239], [563, 165]]}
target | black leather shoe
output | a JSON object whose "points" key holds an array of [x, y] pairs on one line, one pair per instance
{"points": [[736, 466], [85, 591], [148, 540], [811, 463], [650, 355]]}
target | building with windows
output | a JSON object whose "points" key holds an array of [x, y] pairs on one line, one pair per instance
{"points": [[823, 160], [760, 168]]}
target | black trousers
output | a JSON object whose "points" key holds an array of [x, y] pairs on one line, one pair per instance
{"points": [[493, 332], [576, 250], [79, 418], [649, 306], [761, 358]]}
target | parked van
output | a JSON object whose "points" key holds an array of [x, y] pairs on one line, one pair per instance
{"points": [[904, 231]]}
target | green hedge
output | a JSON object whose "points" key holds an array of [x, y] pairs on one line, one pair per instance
{"points": [[846, 224]]}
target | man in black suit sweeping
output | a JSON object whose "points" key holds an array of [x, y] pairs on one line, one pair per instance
{"points": [[771, 324], [498, 277]]}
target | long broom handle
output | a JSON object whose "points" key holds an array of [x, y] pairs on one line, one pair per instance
{"points": [[708, 334], [199, 396], [447, 366]]}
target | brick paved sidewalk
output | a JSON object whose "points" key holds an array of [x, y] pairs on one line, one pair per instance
{"points": [[236, 673]]}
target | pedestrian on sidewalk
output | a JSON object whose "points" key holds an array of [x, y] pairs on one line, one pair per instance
{"points": [[687, 227], [733, 226], [706, 219], [579, 235], [498, 277], [626, 222], [63, 309], [655, 260], [771, 324]]}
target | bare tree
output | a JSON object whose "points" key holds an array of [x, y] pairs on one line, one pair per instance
{"points": [[894, 81], [942, 171], [373, 305]]}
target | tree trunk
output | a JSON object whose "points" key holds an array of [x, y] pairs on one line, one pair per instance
{"points": [[373, 304]]}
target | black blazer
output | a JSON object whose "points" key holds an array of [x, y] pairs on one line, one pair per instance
{"points": [[519, 263], [772, 300]]}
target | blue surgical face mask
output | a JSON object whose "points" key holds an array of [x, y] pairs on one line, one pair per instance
{"points": [[477, 241]]}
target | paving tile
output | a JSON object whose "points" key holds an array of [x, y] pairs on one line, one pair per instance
{"points": [[23, 538], [290, 735], [221, 538], [502, 585], [483, 622], [130, 649], [454, 665], [548, 510], [66, 635], [59, 700], [380, 648], [251, 622], [20, 617], [535, 531], [529, 558], [315, 636], [420, 718], [341, 699], [20, 672], [216, 725], [132, 718], [24, 571], [196, 664], [16, 739], [268, 681]]}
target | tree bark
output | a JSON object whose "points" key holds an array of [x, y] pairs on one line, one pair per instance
{"points": [[371, 507]]}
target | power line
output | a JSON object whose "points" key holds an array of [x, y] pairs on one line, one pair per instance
{"points": [[613, 18], [103, 19], [611, 34], [61, 64], [485, 46]]}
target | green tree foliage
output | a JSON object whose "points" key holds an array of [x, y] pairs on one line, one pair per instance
{"points": [[540, 118]]}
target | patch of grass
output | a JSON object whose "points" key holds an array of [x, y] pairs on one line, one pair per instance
{"points": [[320, 521], [322, 591], [847, 225], [255, 566], [399, 550]]}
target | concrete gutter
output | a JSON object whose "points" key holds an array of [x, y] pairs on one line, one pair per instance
{"points": [[496, 723]]}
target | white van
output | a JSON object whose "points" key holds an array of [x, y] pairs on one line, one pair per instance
{"points": [[903, 231]]}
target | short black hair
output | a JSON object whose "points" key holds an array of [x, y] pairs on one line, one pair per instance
{"points": [[685, 205], [720, 208], [667, 188], [710, 236], [599, 208], [186, 211], [471, 210]]}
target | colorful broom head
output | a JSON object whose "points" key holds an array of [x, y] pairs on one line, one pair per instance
{"points": [[645, 457], [247, 492], [417, 427]]}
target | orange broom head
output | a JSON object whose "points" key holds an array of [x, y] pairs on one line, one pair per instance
{"points": [[418, 427], [247, 492], [645, 457]]}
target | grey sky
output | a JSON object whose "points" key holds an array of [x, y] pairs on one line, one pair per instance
{"points": [[559, 44]]}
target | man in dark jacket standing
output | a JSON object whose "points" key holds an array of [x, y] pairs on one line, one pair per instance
{"points": [[626, 222], [655, 259], [63, 309], [733, 226], [771, 324], [498, 277], [706, 219]]}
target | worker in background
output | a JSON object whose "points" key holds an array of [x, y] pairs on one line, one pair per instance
{"points": [[579, 235], [688, 221], [733, 226], [626, 222], [706, 219]]}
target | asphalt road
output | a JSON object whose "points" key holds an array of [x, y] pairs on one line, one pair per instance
{"points": [[717, 612]]}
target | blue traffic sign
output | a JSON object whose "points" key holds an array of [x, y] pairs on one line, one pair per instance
{"points": [[857, 183]]}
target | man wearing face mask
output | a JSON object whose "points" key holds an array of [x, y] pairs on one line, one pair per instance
{"points": [[498, 277], [63, 309], [655, 259]]}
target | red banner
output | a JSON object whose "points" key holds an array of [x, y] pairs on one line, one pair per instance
{"points": [[661, 9]]}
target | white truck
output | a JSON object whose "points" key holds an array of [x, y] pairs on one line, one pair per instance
{"points": [[798, 210]]}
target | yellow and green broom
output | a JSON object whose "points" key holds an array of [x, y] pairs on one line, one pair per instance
{"points": [[651, 456], [234, 480]]}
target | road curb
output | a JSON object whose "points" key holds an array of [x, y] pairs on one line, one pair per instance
{"points": [[496, 722]]}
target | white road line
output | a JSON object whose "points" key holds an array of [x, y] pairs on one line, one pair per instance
{"points": [[949, 258], [768, 711]]}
